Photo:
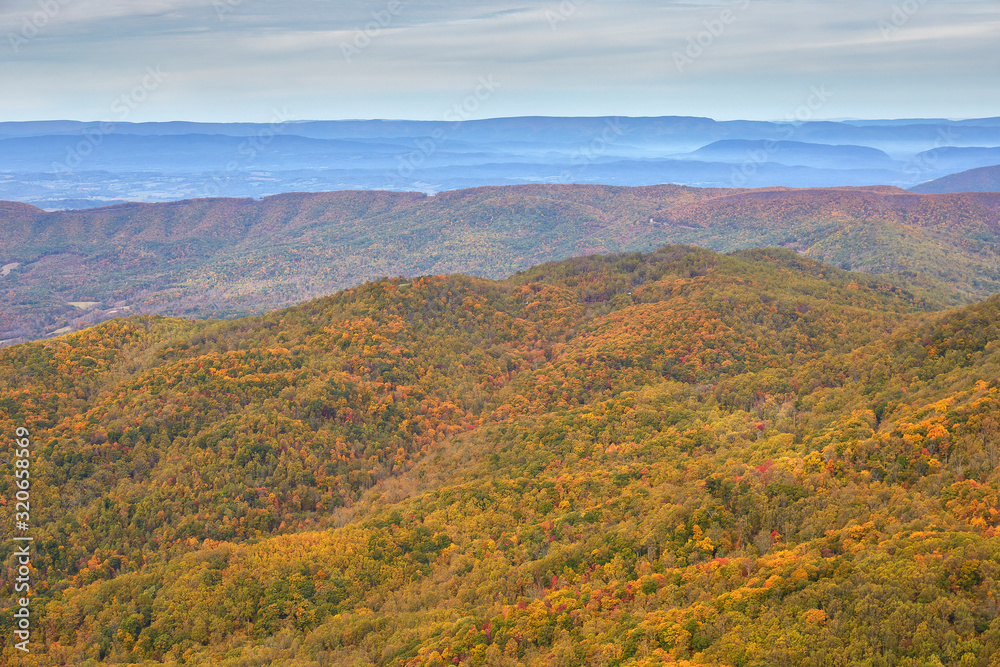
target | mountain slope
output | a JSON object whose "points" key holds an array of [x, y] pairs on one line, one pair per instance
{"points": [[224, 257], [637, 459], [984, 179], [952, 238]]}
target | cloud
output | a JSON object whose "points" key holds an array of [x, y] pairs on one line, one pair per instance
{"points": [[573, 57]]}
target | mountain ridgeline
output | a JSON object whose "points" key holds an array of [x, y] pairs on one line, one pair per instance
{"points": [[230, 257], [983, 179], [633, 459], [66, 164]]}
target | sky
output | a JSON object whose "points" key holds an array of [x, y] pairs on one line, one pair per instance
{"points": [[256, 61]]}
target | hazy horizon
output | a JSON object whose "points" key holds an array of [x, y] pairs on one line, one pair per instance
{"points": [[840, 119]]}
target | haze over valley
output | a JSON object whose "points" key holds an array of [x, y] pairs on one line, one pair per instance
{"points": [[62, 164]]}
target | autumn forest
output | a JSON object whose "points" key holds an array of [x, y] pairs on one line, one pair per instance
{"points": [[677, 457]]}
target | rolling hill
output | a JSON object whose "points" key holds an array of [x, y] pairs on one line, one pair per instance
{"points": [[639, 459], [983, 179], [227, 257], [792, 153]]}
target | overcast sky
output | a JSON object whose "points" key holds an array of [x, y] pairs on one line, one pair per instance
{"points": [[249, 60]]}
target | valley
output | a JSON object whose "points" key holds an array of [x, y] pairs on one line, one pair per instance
{"points": [[235, 257]]}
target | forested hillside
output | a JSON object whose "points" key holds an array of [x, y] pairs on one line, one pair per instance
{"points": [[230, 257], [635, 459], [983, 179]]}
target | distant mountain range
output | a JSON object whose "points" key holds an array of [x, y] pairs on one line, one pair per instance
{"points": [[66, 164], [229, 257]]}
